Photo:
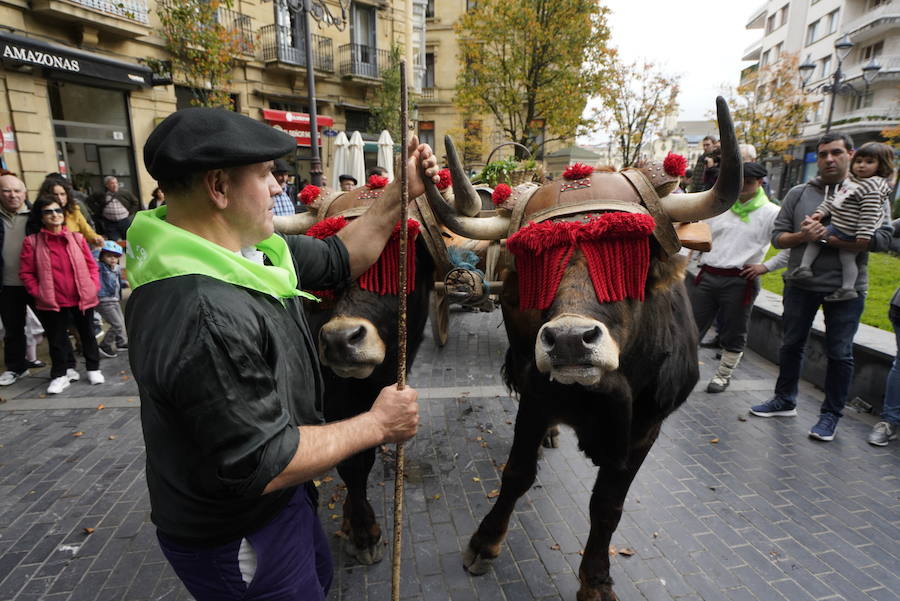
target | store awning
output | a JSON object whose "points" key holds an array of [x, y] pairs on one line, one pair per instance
{"points": [[295, 124], [20, 50]]}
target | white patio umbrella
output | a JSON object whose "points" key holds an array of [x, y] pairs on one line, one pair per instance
{"points": [[386, 153], [357, 164], [341, 161]]}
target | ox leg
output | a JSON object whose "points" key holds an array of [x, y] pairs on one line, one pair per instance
{"points": [[606, 505], [363, 532], [518, 476]]}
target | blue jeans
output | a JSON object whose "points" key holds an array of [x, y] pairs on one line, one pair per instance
{"points": [[891, 411], [841, 323]]}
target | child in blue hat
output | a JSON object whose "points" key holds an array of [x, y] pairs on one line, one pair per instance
{"points": [[110, 307]]}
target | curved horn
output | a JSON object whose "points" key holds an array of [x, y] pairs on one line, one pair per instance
{"points": [[477, 228], [465, 199], [718, 199], [294, 224]]}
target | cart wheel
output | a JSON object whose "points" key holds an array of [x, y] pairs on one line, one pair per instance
{"points": [[439, 315]]}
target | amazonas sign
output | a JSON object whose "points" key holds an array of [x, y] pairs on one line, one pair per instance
{"points": [[41, 58]]}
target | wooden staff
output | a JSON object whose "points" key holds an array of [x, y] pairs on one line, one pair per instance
{"points": [[401, 330]]}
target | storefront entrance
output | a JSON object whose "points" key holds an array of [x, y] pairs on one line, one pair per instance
{"points": [[93, 137]]}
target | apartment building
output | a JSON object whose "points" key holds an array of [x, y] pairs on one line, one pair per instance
{"points": [[77, 94], [810, 29]]}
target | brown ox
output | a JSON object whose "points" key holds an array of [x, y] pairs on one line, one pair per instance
{"points": [[612, 371]]}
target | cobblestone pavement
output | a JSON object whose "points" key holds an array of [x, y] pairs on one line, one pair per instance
{"points": [[765, 513]]}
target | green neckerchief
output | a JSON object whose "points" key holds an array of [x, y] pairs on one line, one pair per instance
{"points": [[743, 209], [158, 250]]}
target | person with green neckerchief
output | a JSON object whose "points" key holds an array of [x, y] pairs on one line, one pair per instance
{"points": [[228, 373], [727, 282]]}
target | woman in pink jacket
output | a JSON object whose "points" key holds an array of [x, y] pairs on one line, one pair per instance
{"points": [[58, 270]]}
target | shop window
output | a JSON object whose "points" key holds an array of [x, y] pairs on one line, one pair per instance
{"points": [[357, 120]]}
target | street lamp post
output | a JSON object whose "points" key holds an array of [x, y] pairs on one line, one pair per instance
{"points": [[842, 48], [309, 11]]}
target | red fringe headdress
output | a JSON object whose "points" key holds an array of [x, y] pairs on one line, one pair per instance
{"points": [[383, 276], [615, 245]]}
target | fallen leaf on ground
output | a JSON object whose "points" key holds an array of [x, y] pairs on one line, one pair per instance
{"points": [[112, 437], [101, 407], [613, 550], [88, 530], [493, 493], [581, 552], [627, 552], [742, 418], [436, 497], [555, 547], [334, 516], [714, 440], [656, 535], [77, 434], [331, 506], [316, 483], [476, 479], [509, 421]]}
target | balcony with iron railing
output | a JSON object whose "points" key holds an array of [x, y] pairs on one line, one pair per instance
{"points": [[358, 60], [890, 69], [128, 18], [240, 24], [875, 22], [278, 44]]}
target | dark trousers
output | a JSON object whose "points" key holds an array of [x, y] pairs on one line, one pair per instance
{"points": [[841, 323], [293, 562], [115, 230], [13, 302], [56, 325], [726, 296]]}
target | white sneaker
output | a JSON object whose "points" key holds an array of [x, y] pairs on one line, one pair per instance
{"points": [[57, 385], [95, 377], [9, 377], [72, 375]]}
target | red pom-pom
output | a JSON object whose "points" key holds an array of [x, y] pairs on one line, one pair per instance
{"points": [[327, 227], [577, 171], [501, 193], [377, 181], [309, 194], [445, 182], [674, 164]]}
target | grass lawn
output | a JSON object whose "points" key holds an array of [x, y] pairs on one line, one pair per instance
{"points": [[884, 277]]}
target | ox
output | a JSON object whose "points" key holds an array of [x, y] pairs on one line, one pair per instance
{"points": [[612, 369], [356, 332]]}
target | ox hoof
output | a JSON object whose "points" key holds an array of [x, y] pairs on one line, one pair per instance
{"points": [[366, 556], [475, 563], [604, 592], [551, 441]]}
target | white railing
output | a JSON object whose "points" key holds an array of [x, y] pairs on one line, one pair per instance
{"points": [[869, 114], [755, 46], [135, 10], [891, 9], [759, 11], [889, 64]]}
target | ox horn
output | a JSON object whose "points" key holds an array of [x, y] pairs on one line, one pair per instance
{"points": [[465, 198], [476, 228], [294, 224], [718, 199]]}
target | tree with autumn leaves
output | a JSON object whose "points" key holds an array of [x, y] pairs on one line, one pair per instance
{"points": [[770, 108], [522, 61], [203, 48], [636, 100]]}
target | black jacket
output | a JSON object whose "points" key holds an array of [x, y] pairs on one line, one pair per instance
{"points": [[226, 375]]}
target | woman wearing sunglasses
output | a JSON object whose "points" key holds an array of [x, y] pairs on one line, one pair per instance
{"points": [[58, 270]]}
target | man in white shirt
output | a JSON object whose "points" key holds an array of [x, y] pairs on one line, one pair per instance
{"points": [[728, 277]]}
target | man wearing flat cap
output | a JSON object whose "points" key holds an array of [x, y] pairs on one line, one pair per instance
{"points": [[347, 182], [231, 391], [727, 281], [284, 200]]}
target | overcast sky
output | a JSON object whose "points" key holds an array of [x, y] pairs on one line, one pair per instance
{"points": [[700, 40]]}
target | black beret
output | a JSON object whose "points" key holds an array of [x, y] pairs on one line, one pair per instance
{"points": [[281, 167], [345, 177], [195, 140], [755, 170]]}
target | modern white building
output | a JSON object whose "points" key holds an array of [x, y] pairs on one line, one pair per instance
{"points": [[810, 29]]}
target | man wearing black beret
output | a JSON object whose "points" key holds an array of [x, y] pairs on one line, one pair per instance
{"points": [[348, 182], [727, 282], [231, 392]]}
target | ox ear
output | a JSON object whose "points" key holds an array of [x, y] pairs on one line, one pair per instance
{"points": [[665, 274]]}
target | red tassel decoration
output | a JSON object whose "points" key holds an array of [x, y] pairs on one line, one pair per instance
{"points": [[446, 180], [674, 165], [615, 246], [309, 194]]}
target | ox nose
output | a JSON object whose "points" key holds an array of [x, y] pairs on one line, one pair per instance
{"points": [[570, 343], [342, 342]]}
